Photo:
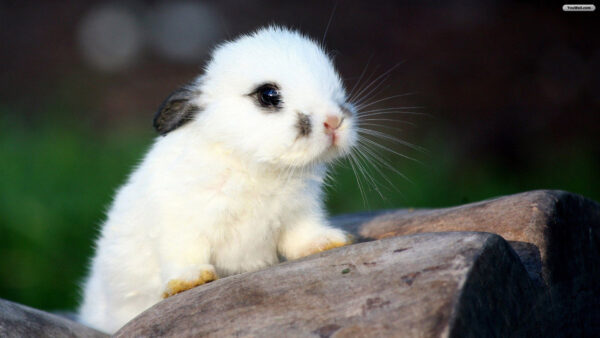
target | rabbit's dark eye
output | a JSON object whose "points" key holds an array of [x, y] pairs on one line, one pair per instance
{"points": [[268, 95]]}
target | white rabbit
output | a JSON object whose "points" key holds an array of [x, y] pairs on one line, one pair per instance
{"points": [[234, 179]]}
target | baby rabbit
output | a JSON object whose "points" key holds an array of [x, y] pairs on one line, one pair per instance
{"points": [[234, 180]]}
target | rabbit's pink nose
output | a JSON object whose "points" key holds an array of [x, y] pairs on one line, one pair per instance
{"points": [[332, 123]]}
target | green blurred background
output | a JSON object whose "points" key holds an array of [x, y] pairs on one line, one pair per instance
{"points": [[509, 96]]}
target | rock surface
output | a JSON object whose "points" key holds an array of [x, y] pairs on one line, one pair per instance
{"points": [[555, 233], [21, 321], [455, 284]]}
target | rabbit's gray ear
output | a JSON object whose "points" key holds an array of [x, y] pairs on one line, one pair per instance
{"points": [[176, 110]]}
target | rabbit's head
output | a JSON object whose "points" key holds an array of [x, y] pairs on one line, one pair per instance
{"points": [[273, 97]]}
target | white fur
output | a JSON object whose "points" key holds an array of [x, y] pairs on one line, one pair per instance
{"points": [[230, 189]]}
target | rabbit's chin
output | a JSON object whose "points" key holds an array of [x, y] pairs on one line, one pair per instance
{"points": [[333, 153], [310, 159]]}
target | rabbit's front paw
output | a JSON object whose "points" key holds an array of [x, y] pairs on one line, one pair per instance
{"points": [[333, 239], [177, 285]]}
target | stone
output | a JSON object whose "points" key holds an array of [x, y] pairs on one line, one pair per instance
{"points": [[21, 321], [437, 284], [555, 233]]}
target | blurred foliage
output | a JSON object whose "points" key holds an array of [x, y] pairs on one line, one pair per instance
{"points": [[58, 176]]}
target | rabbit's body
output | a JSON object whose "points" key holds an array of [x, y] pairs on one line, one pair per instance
{"points": [[232, 184]]}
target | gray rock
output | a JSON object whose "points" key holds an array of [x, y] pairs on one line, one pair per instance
{"points": [[555, 233], [21, 321], [448, 284]]}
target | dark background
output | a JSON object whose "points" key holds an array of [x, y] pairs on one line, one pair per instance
{"points": [[508, 97]]}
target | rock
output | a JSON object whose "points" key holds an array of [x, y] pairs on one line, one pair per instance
{"points": [[21, 321], [556, 234], [448, 284]]}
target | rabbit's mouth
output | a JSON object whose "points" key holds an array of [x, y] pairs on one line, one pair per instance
{"points": [[339, 145], [343, 138], [334, 138]]}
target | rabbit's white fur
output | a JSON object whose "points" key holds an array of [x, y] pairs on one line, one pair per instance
{"points": [[227, 191]]}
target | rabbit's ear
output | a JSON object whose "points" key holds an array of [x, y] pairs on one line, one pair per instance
{"points": [[176, 110]]}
